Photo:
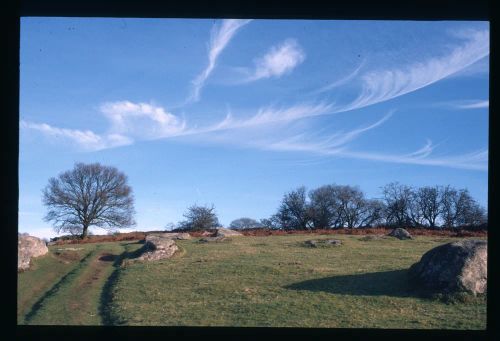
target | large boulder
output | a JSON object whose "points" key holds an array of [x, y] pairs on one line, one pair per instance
{"points": [[453, 267], [29, 247], [222, 232], [157, 247], [400, 234]]}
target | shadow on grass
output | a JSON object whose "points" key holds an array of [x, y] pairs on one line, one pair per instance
{"points": [[55, 288], [107, 316], [394, 283]]}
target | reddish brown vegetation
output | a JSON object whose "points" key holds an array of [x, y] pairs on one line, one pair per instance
{"points": [[369, 231], [267, 232]]}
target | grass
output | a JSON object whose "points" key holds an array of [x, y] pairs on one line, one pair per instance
{"points": [[253, 281], [276, 281], [65, 287]]}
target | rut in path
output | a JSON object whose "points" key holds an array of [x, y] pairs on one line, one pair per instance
{"points": [[76, 298]]}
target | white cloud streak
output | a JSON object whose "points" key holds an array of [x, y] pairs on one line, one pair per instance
{"points": [[85, 139], [474, 105], [381, 86], [343, 80], [279, 61], [219, 38]]}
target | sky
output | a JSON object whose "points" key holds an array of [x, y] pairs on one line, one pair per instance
{"points": [[236, 113]]}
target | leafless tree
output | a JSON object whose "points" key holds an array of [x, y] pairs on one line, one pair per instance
{"points": [[293, 212], [429, 203], [89, 195], [353, 205], [371, 213], [397, 199], [200, 218], [324, 207]]}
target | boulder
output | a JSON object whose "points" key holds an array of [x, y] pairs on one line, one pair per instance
{"points": [[212, 239], [454, 267], [222, 232], [400, 234], [29, 247], [311, 243], [158, 247], [334, 242], [172, 235]]}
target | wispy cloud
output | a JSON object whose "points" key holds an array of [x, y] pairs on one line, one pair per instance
{"points": [[278, 61], [382, 85], [477, 160], [343, 80], [85, 139], [142, 120], [473, 105], [220, 36]]}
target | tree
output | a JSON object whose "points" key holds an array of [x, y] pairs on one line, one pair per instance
{"points": [[200, 218], [397, 199], [429, 203], [244, 223], [325, 210], [293, 213], [89, 195]]}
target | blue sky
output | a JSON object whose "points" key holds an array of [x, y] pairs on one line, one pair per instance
{"points": [[238, 112]]}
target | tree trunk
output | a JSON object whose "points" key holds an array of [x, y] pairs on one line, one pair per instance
{"points": [[85, 232]]}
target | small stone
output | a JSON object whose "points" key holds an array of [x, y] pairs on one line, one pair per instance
{"points": [[400, 234]]}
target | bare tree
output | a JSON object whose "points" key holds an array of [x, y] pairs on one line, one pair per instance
{"points": [[244, 223], [353, 205], [397, 199], [200, 218], [324, 207], [89, 195], [372, 213], [293, 213], [429, 203]]}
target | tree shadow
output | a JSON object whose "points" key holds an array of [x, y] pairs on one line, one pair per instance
{"points": [[394, 283]]}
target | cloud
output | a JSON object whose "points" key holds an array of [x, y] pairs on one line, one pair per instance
{"points": [[85, 139], [219, 38], [382, 85], [141, 120], [343, 80], [474, 105], [477, 160], [280, 60]]}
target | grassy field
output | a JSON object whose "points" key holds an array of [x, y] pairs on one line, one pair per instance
{"points": [[247, 281]]}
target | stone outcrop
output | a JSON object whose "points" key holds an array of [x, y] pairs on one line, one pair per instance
{"points": [[158, 247], [29, 247], [173, 235], [454, 267], [327, 242], [222, 232], [212, 239], [400, 234]]}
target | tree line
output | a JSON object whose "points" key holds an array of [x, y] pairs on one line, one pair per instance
{"points": [[93, 195], [342, 206]]}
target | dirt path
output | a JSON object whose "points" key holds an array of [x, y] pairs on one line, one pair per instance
{"points": [[77, 298]]}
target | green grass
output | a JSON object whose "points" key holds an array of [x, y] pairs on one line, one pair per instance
{"points": [[275, 281], [58, 292], [271, 281]]}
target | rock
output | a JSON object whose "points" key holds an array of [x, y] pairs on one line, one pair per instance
{"points": [[400, 234], [334, 242], [454, 267], [172, 235], [222, 232], [29, 247], [311, 243], [208, 234], [212, 239], [158, 247]]}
